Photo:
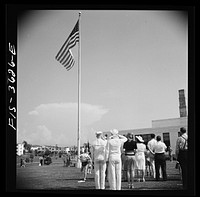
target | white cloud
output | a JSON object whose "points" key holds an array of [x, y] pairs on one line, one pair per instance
{"points": [[56, 123], [33, 113]]}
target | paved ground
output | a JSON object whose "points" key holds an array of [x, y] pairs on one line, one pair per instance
{"points": [[57, 177]]}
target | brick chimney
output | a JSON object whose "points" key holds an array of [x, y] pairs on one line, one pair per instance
{"points": [[182, 104]]}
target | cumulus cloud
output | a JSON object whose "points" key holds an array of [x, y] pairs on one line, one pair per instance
{"points": [[56, 123], [33, 113]]}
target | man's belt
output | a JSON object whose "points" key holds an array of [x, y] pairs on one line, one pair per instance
{"points": [[130, 154]]}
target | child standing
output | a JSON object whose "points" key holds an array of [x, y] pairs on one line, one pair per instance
{"points": [[85, 161]]}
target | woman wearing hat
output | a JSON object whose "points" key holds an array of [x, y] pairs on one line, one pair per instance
{"points": [[113, 155], [140, 158]]}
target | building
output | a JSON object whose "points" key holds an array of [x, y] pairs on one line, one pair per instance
{"points": [[20, 149], [168, 129], [51, 148], [35, 147]]}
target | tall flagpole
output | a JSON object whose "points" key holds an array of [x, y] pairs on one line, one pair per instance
{"points": [[79, 94]]}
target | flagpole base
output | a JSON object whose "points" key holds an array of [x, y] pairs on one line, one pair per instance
{"points": [[78, 164]]}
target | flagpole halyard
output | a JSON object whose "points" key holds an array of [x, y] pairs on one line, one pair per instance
{"points": [[79, 97], [65, 57]]}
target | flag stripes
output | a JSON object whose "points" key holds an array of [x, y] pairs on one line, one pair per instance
{"points": [[64, 56]]}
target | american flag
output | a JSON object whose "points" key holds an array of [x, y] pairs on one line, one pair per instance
{"points": [[64, 56]]}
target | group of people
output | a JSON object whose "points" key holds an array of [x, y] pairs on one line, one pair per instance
{"points": [[106, 155], [22, 163], [137, 154], [66, 159]]}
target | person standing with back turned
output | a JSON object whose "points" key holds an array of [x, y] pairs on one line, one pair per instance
{"points": [[160, 160], [130, 148], [181, 154], [113, 154], [150, 146], [140, 158], [98, 157]]}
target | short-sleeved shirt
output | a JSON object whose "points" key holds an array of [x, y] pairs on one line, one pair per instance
{"points": [[99, 148], [84, 157], [151, 144], [113, 148], [160, 147], [129, 146]]}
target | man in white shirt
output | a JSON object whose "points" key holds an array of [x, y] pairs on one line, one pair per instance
{"points": [[160, 160], [98, 156], [151, 145]]}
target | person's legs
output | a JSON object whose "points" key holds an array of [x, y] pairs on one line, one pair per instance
{"points": [[106, 171], [152, 168], [125, 169], [143, 175], [132, 173], [85, 172], [163, 167], [102, 174], [157, 167], [128, 177], [118, 168], [183, 165], [132, 177], [128, 171], [96, 175], [184, 174], [111, 174], [138, 169], [143, 169], [152, 164], [139, 175]]}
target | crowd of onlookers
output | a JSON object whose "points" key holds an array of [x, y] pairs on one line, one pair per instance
{"points": [[128, 157]]}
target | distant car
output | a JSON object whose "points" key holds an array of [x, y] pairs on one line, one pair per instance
{"points": [[47, 161]]}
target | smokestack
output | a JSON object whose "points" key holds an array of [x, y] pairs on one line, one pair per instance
{"points": [[182, 104]]}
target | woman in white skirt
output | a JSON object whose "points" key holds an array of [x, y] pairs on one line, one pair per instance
{"points": [[140, 158]]}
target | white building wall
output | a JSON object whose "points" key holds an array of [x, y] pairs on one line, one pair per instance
{"points": [[171, 126], [169, 122]]}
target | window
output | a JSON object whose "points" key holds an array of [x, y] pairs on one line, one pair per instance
{"points": [[166, 139]]}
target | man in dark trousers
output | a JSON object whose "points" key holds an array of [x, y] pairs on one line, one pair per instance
{"points": [[160, 160], [181, 154]]}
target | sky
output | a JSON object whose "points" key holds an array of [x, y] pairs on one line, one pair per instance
{"points": [[133, 62]]}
